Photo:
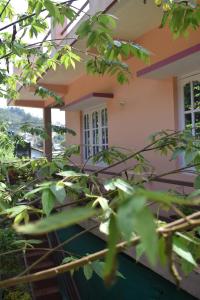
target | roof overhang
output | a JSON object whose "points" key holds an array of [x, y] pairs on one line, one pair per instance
{"points": [[28, 103], [28, 97], [90, 100], [132, 23], [181, 63]]}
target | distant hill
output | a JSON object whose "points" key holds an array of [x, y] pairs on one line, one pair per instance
{"points": [[16, 117]]}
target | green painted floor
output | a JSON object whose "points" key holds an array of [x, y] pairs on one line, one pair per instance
{"points": [[140, 283]]}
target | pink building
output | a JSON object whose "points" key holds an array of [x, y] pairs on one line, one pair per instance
{"points": [[159, 96]]}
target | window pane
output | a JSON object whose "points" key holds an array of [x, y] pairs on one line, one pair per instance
{"points": [[106, 135], [84, 121], [97, 136], [103, 117], [187, 97], [106, 117], [196, 91], [103, 136], [87, 140], [188, 121], [197, 123], [97, 120]]}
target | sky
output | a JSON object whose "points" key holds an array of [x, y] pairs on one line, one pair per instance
{"points": [[57, 115]]}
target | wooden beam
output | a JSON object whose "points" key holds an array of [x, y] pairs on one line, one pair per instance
{"points": [[57, 88], [30, 103], [47, 127]]}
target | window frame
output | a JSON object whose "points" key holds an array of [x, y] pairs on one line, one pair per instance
{"points": [[99, 146], [182, 81]]}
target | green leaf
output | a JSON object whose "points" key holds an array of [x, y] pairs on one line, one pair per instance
{"points": [[180, 247], [126, 215], [188, 238], [145, 227], [84, 29], [103, 203], [190, 156], [164, 19], [29, 242], [167, 198], [48, 201], [110, 260], [88, 271], [59, 220], [197, 183], [50, 7], [31, 193], [186, 267], [140, 249], [14, 211], [98, 267], [120, 184], [68, 259], [72, 174], [107, 20], [126, 49], [134, 217], [91, 38], [58, 191]]}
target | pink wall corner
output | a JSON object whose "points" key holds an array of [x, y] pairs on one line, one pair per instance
{"points": [[142, 106]]}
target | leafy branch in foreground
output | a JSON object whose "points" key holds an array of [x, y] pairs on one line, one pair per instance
{"points": [[96, 256], [121, 208]]}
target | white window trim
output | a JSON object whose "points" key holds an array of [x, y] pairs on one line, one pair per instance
{"points": [[181, 82], [90, 111], [181, 110]]}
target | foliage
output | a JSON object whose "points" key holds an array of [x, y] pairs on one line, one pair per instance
{"points": [[89, 269], [103, 55], [6, 143], [121, 206], [17, 294], [44, 93], [180, 15]]}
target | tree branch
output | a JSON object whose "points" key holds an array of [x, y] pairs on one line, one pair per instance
{"points": [[56, 249], [4, 8], [146, 148], [32, 15], [52, 272]]}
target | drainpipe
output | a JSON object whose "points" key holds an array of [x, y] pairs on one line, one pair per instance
{"points": [[47, 128]]}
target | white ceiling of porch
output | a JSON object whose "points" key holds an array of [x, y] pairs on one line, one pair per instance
{"points": [[134, 19]]}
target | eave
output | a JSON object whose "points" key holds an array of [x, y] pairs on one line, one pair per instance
{"points": [[183, 62]]}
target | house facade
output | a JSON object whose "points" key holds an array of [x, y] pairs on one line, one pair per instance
{"points": [[161, 95], [158, 96]]}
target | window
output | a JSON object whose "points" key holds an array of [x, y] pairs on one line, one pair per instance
{"points": [[95, 131], [190, 94]]}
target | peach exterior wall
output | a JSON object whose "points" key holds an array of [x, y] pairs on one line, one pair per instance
{"points": [[146, 105]]}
